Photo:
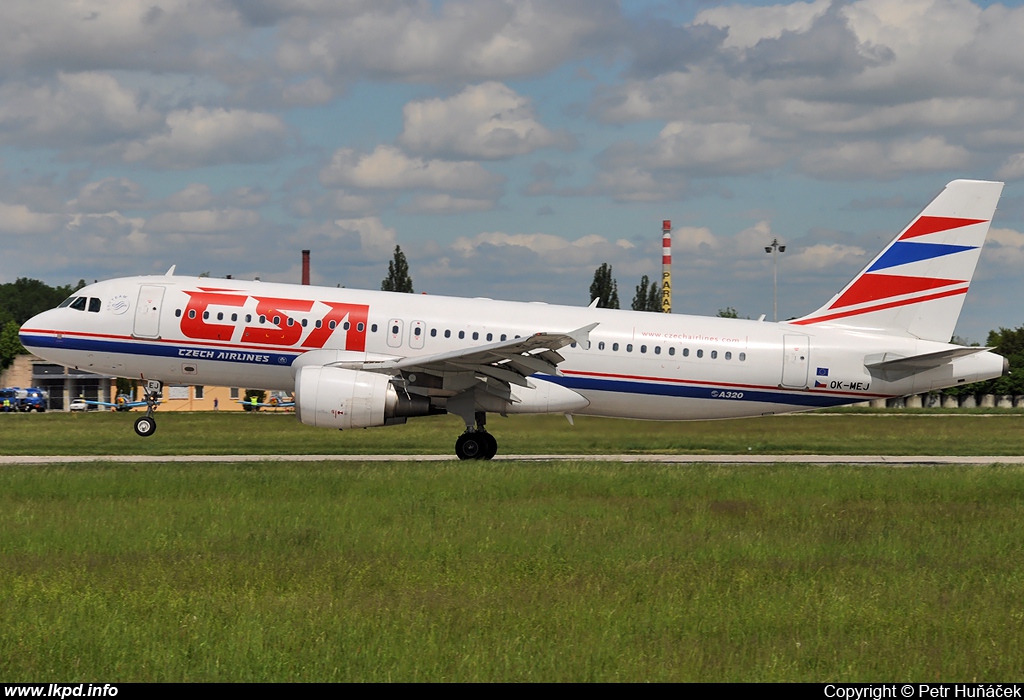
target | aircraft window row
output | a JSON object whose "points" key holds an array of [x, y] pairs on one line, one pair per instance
{"points": [[91, 304], [276, 320], [742, 357], [462, 334]]}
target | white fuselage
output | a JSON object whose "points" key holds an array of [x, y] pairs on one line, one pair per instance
{"points": [[186, 330]]}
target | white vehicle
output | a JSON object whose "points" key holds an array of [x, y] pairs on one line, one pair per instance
{"points": [[358, 359], [77, 405]]}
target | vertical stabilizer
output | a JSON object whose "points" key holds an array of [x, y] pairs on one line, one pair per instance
{"points": [[916, 286]]}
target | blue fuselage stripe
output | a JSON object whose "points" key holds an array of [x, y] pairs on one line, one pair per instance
{"points": [[699, 392], [250, 357]]}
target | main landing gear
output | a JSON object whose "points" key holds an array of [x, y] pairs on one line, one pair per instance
{"points": [[476, 443], [146, 426]]}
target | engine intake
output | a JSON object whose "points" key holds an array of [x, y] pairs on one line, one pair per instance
{"points": [[332, 397]]}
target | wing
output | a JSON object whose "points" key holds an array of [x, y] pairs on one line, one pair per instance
{"points": [[510, 361], [479, 379]]}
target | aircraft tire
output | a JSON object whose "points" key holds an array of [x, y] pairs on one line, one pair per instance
{"points": [[470, 446], [145, 426], [490, 445]]}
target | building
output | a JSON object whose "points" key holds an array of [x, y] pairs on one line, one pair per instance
{"points": [[63, 384]]}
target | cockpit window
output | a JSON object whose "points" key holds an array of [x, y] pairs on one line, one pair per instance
{"points": [[78, 304], [66, 302], [94, 305]]}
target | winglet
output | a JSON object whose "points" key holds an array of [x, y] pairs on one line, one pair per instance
{"points": [[170, 271], [593, 304], [582, 335]]}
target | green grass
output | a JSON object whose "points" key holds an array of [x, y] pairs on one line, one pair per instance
{"points": [[243, 433], [510, 571]]}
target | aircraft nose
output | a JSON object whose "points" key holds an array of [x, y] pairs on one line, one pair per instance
{"points": [[28, 333]]}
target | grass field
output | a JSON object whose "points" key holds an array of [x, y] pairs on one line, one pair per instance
{"points": [[926, 433], [511, 571]]}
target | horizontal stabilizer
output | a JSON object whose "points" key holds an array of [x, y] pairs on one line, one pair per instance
{"points": [[918, 363]]}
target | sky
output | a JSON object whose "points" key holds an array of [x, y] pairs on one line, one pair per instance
{"points": [[510, 148]]}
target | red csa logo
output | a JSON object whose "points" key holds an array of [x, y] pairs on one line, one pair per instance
{"points": [[281, 327]]}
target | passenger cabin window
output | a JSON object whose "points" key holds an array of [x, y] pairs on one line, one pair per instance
{"points": [[714, 354], [373, 328], [476, 336], [743, 357], [629, 347], [462, 335], [657, 349], [728, 355], [686, 352], [700, 353], [490, 337], [177, 313], [615, 347], [671, 351], [433, 332], [447, 333], [94, 305], [643, 348]]}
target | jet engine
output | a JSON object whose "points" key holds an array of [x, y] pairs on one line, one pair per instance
{"points": [[332, 397]]}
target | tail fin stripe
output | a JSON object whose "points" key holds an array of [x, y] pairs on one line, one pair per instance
{"points": [[900, 253], [874, 287], [880, 307], [933, 224]]}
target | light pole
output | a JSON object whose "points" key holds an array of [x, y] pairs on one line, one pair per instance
{"points": [[774, 249]]}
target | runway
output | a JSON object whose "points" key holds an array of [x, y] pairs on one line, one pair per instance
{"points": [[891, 460]]}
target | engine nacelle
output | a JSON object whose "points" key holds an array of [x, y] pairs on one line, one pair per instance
{"points": [[332, 397]]}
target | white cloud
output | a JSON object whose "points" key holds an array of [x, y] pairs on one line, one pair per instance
{"points": [[882, 160], [459, 40], [446, 204], [388, 168], [20, 220], [1012, 168], [487, 121], [203, 136], [108, 194], [749, 25], [72, 109], [203, 221]]}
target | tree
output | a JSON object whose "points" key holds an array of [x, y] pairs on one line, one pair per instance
{"points": [[605, 288], [10, 344], [648, 296], [398, 279], [728, 312]]}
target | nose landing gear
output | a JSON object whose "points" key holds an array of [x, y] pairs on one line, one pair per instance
{"points": [[146, 426]]}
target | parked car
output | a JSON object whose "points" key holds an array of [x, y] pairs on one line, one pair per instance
{"points": [[79, 404]]}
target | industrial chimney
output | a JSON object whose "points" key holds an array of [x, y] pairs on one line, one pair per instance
{"points": [[305, 267], [666, 267]]}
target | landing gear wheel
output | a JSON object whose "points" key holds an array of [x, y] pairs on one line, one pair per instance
{"points": [[491, 445], [145, 426], [476, 445], [470, 446]]}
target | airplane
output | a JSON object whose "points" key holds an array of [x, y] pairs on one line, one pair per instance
{"points": [[123, 402], [358, 359]]}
